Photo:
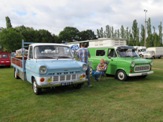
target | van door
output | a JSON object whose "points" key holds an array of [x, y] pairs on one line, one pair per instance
{"points": [[112, 65], [97, 56]]}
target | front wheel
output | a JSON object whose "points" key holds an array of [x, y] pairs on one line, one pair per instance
{"points": [[36, 90], [121, 75]]}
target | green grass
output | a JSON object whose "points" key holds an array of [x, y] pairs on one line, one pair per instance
{"points": [[109, 100]]}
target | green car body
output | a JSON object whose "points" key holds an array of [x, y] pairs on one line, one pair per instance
{"points": [[121, 66]]}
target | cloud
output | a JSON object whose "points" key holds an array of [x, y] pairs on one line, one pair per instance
{"points": [[54, 15]]}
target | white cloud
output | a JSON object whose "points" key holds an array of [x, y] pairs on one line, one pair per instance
{"points": [[54, 15]]}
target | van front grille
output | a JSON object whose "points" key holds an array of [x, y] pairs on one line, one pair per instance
{"points": [[65, 77], [141, 68]]}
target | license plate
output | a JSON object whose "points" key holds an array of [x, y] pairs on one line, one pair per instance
{"points": [[66, 83]]}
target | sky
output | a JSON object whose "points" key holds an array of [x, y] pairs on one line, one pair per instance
{"points": [[55, 15]]}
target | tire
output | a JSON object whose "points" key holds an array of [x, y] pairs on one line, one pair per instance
{"points": [[121, 75], [78, 86], [36, 90], [141, 55], [16, 74]]}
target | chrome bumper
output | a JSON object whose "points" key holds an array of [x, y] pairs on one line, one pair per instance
{"points": [[140, 74]]}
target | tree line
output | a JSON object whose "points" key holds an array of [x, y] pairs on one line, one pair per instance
{"points": [[135, 36], [10, 37]]}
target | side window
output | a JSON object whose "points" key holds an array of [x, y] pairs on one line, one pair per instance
{"points": [[111, 53], [30, 52], [100, 52]]}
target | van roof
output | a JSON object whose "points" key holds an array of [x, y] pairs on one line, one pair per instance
{"points": [[107, 43], [39, 44]]}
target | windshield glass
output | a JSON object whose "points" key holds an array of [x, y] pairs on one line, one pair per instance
{"points": [[143, 50], [127, 53], [52, 52]]}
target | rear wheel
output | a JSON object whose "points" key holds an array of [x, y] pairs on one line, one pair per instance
{"points": [[36, 90], [16, 74], [121, 75]]}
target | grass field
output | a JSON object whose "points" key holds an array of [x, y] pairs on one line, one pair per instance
{"points": [[109, 100]]}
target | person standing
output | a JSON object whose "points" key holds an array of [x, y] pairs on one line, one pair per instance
{"points": [[83, 55]]}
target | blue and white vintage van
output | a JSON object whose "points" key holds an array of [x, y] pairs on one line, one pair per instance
{"points": [[49, 65]]}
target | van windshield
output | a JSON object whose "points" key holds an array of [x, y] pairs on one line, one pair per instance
{"points": [[127, 53], [52, 52]]}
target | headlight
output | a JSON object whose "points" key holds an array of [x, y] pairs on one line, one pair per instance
{"points": [[84, 67], [133, 64], [43, 70]]}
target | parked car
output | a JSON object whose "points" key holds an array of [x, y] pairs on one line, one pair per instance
{"points": [[48, 65], [123, 61], [5, 59], [148, 54], [140, 50], [155, 52]]}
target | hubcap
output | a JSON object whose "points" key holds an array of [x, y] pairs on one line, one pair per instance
{"points": [[34, 87], [15, 74], [121, 75]]}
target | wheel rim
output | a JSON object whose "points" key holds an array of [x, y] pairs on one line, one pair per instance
{"points": [[34, 87], [15, 73], [121, 75]]}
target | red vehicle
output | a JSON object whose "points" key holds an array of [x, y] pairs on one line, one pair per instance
{"points": [[5, 59]]}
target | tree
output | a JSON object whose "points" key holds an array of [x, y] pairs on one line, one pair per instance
{"points": [[98, 33], [45, 36], [127, 35], [108, 31], [122, 31], [10, 39], [8, 22], [87, 35], [135, 33], [56, 39], [101, 32], [142, 34], [160, 32], [112, 32], [149, 32], [69, 34], [29, 34]]}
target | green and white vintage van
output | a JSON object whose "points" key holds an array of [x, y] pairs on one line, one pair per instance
{"points": [[123, 61]]}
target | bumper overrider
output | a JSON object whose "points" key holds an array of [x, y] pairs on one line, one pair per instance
{"points": [[44, 82], [140, 74]]}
